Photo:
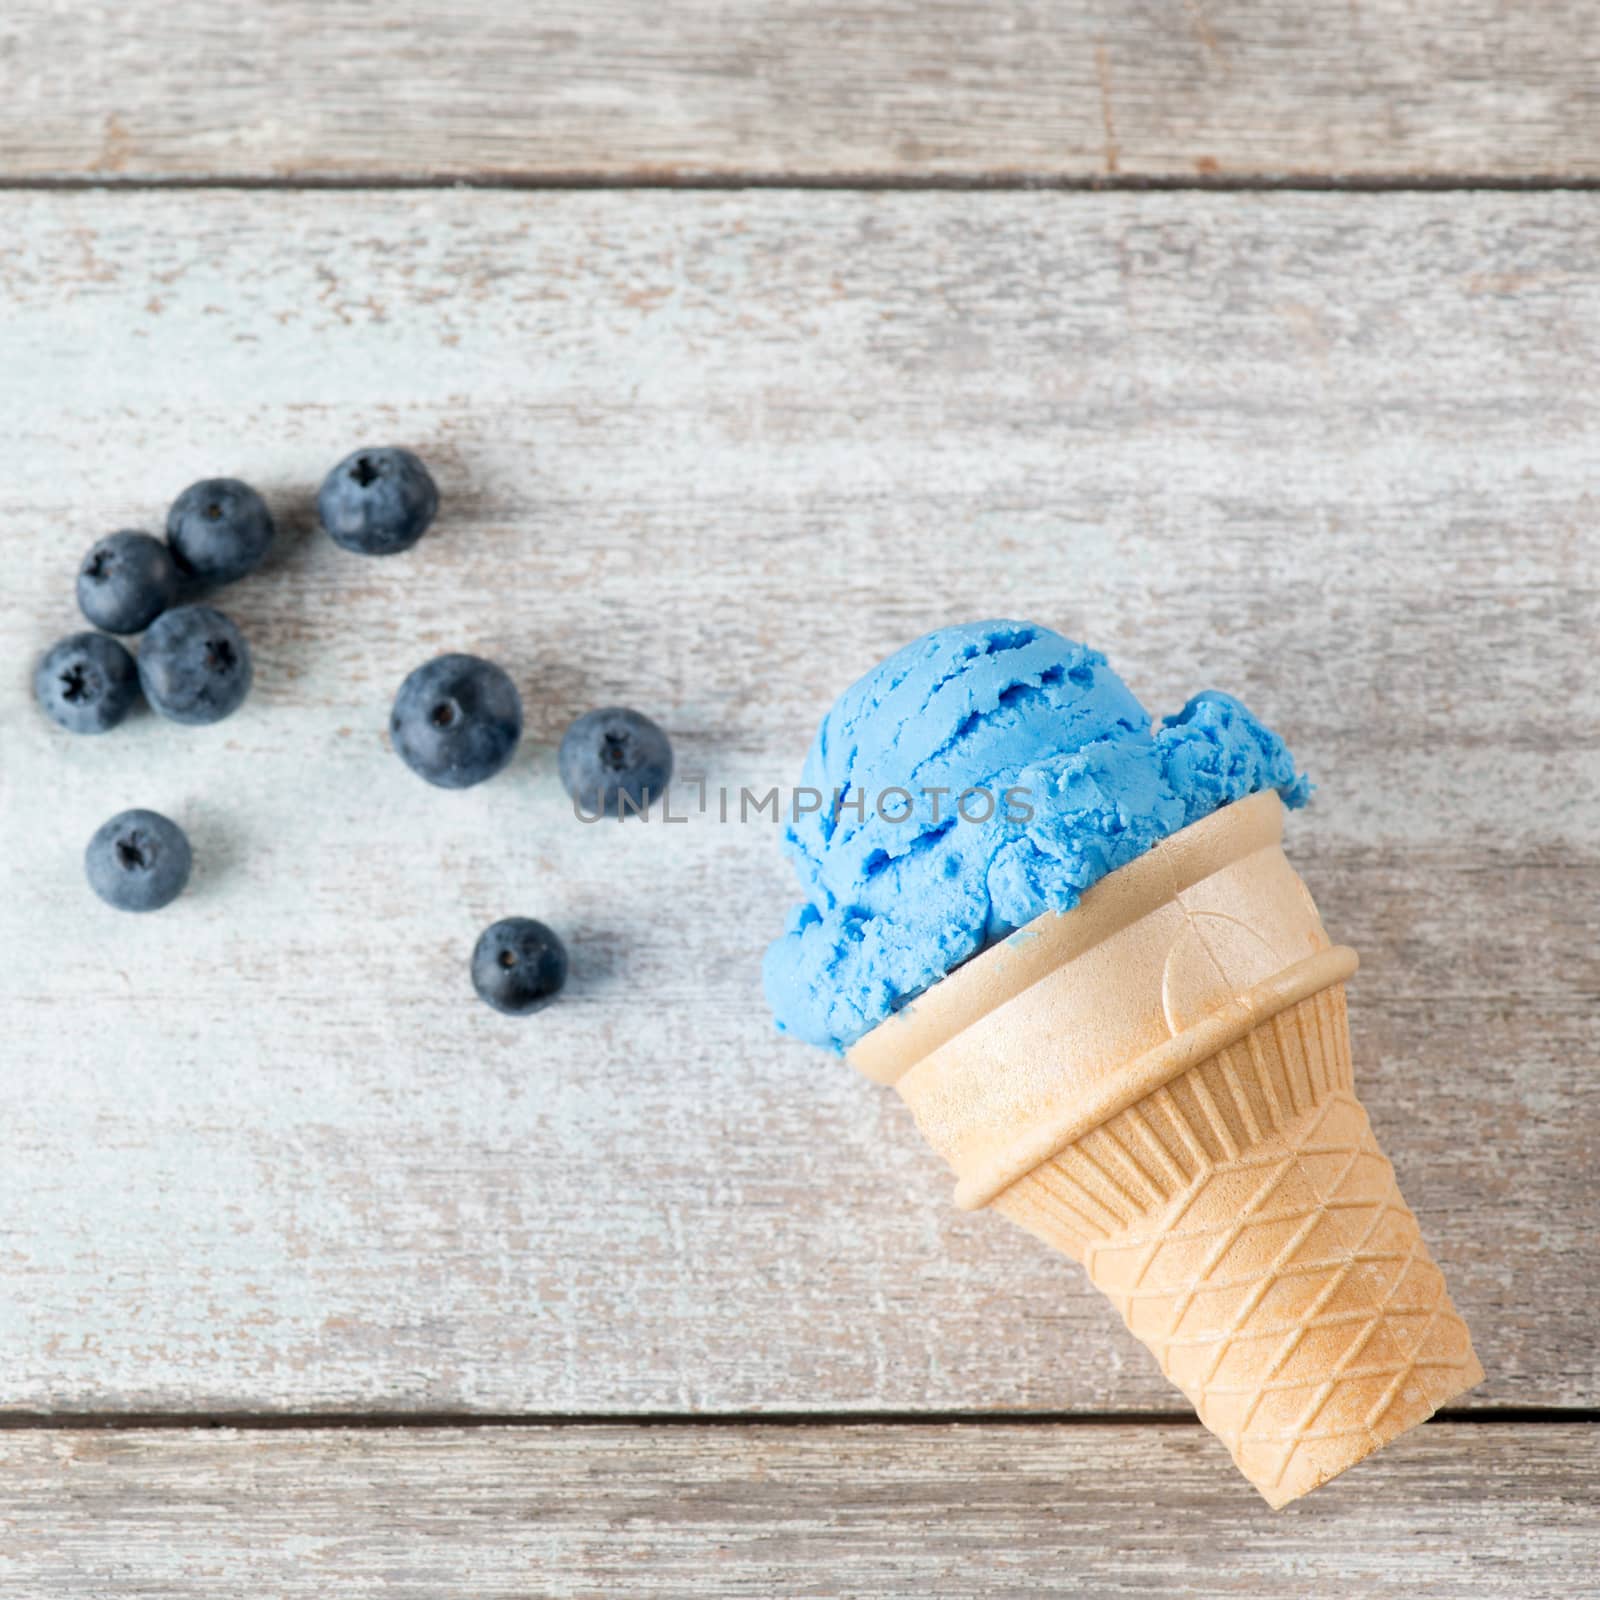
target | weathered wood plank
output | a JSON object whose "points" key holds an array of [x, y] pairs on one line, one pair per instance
{"points": [[843, 89], [713, 455], [1455, 1510]]}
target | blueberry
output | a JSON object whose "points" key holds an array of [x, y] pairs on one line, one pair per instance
{"points": [[138, 861], [86, 683], [456, 721], [377, 502], [614, 761], [518, 966], [126, 581], [219, 529], [194, 665]]}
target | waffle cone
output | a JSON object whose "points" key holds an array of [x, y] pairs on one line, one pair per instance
{"points": [[1158, 1084]]}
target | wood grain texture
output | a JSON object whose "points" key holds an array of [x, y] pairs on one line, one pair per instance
{"points": [[713, 456], [809, 89], [1452, 1511]]}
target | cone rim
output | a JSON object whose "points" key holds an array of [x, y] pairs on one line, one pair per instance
{"points": [[1167, 869], [1148, 1072]]}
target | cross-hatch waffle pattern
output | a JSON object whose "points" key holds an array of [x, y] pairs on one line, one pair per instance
{"points": [[1246, 1224]]}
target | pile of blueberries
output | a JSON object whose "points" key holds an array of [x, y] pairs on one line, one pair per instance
{"points": [[456, 721]]}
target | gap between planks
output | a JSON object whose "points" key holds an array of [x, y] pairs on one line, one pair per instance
{"points": [[398, 1421], [833, 183]]}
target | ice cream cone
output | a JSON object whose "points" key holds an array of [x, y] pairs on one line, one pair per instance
{"points": [[1158, 1084]]}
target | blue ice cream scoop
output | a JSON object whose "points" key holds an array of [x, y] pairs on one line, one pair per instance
{"points": [[984, 775]]}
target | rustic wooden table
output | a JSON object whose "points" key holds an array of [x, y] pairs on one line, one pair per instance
{"points": [[1255, 345]]}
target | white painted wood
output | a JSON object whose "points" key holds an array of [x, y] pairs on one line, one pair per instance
{"points": [[503, 1514], [714, 455], [825, 89]]}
